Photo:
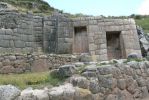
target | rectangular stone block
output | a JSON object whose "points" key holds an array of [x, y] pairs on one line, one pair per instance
{"points": [[91, 39], [101, 52], [68, 40], [8, 31], [102, 46], [92, 22], [5, 43], [92, 47], [29, 44], [19, 44], [93, 28], [2, 31]]}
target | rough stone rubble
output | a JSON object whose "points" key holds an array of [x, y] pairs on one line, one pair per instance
{"points": [[97, 81]]}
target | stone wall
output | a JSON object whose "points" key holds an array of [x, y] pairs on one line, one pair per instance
{"points": [[119, 80], [96, 31], [27, 33], [20, 32], [21, 63]]}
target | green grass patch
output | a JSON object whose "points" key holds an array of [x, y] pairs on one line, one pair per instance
{"points": [[144, 23], [134, 59], [34, 80]]}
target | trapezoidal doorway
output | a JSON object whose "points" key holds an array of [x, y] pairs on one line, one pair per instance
{"points": [[80, 40], [113, 45]]}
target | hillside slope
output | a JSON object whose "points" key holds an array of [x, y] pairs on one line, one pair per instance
{"points": [[35, 6], [144, 23]]}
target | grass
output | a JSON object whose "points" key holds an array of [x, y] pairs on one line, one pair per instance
{"points": [[144, 23], [36, 6], [134, 59], [35, 80]]}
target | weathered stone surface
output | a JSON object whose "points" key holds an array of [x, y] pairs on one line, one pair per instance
{"points": [[19, 44], [90, 71], [125, 95], [57, 93], [30, 94], [79, 81], [85, 58], [94, 86], [132, 86], [7, 69], [141, 82], [67, 70], [144, 92], [133, 56], [121, 83], [82, 94], [105, 69], [112, 97], [106, 81], [9, 92]]}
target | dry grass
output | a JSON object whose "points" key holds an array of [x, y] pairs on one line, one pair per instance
{"points": [[29, 79]]}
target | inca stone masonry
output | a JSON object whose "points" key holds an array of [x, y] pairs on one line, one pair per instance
{"points": [[102, 38]]}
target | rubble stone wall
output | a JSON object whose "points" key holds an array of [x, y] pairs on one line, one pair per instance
{"points": [[119, 81], [21, 63]]}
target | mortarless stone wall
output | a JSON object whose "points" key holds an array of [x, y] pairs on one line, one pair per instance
{"points": [[96, 34], [20, 63], [27, 33]]}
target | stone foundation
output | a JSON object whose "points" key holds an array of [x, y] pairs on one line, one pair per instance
{"points": [[20, 63]]}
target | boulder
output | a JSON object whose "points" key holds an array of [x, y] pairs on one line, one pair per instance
{"points": [[67, 70], [9, 92], [134, 64], [68, 92], [107, 81], [125, 95], [27, 94], [141, 82], [63, 92], [133, 56], [30, 94], [121, 83], [82, 94], [79, 81], [7, 69], [85, 58], [89, 71], [132, 87], [105, 69], [79, 64], [94, 86], [112, 97], [144, 92]]}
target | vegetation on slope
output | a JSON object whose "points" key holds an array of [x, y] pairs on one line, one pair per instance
{"points": [[143, 21], [36, 6]]}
